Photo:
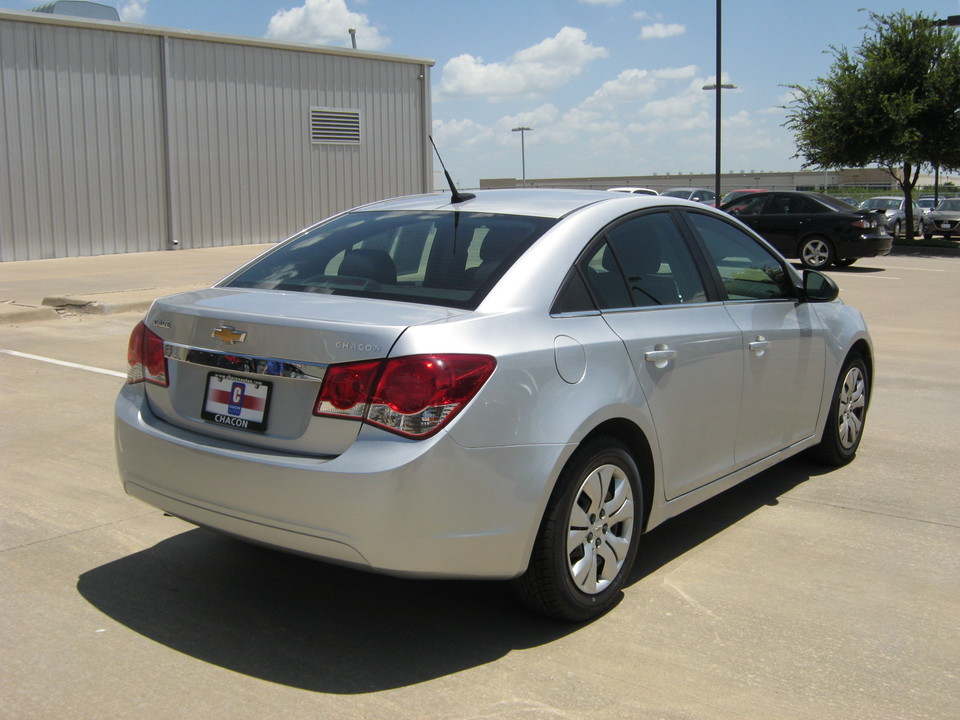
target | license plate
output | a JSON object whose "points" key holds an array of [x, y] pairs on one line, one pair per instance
{"points": [[236, 402]]}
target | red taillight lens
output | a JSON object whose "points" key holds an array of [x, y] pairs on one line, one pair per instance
{"points": [[145, 358], [415, 396], [346, 389], [865, 224]]}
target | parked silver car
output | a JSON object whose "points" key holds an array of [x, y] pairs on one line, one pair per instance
{"points": [[514, 386], [894, 208], [944, 220]]}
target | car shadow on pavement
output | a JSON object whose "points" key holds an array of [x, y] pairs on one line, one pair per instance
{"points": [[324, 628]]}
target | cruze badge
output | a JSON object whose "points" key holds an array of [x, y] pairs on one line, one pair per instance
{"points": [[227, 334]]}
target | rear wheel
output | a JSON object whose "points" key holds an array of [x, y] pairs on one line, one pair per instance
{"points": [[589, 536], [848, 412], [816, 253]]}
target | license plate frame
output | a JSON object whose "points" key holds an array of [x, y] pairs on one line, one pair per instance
{"points": [[237, 402]]}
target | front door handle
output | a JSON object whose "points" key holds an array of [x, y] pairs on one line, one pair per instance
{"points": [[660, 356], [759, 346]]}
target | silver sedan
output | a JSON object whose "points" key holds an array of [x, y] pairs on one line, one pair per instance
{"points": [[512, 385]]}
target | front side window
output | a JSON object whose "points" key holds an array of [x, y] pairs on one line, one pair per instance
{"points": [[438, 258], [747, 270], [748, 205]]}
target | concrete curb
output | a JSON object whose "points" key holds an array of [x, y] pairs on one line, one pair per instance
{"points": [[14, 314]]}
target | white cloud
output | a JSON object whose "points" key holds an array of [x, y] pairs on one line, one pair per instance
{"points": [[634, 85], [133, 11], [661, 30], [325, 22], [533, 71]]}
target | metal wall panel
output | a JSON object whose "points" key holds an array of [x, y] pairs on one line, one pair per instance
{"points": [[128, 138], [80, 144], [244, 169]]}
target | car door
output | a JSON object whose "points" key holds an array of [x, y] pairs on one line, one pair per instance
{"points": [[784, 350], [686, 351]]}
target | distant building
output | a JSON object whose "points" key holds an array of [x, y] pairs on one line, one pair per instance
{"points": [[871, 180], [124, 138], [79, 8]]}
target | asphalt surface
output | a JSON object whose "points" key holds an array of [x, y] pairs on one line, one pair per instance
{"points": [[805, 593], [108, 284]]}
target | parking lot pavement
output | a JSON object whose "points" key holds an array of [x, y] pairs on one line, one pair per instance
{"points": [[802, 594], [106, 284]]}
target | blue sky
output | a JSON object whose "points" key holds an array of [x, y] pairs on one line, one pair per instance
{"points": [[610, 87]]}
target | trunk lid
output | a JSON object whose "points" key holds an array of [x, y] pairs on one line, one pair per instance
{"points": [[246, 365]]}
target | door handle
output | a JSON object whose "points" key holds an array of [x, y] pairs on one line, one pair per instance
{"points": [[759, 346], [660, 356]]}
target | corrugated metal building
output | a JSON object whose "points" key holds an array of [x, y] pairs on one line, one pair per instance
{"points": [[125, 138]]}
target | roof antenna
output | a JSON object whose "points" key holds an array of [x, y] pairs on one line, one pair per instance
{"points": [[458, 197]]}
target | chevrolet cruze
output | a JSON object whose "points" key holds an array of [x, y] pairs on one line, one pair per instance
{"points": [[515, 384]]}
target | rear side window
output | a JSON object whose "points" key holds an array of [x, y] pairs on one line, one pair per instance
{"points": [[642, 262], [438, 258]]}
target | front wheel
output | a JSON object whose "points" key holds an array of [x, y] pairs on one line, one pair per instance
{"points": [[845, 262], [589, 535], [897, 227], [848, 412], [816, 253]]}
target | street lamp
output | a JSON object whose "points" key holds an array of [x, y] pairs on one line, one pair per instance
{"points": [[718, 86], [523, 151]]}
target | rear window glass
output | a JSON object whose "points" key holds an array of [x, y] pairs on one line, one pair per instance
{"points": [[438, 258]]}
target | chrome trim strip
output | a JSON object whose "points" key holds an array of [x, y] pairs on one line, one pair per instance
{"points": [[234, 362]]}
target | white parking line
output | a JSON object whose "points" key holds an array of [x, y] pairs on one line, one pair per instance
{"points": [[868, 277], [894, 267], [64, 363]]}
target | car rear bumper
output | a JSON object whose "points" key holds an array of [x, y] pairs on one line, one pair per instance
{"points": [[873, 246], [427, 508]]}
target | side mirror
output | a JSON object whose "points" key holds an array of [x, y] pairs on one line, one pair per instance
{"points": [[818, 287]]}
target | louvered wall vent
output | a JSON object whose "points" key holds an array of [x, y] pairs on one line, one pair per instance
{"points": [[334, 125]]}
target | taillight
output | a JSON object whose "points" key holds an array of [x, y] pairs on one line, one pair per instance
{"points": [[414, 396], [346, 389], [145, 358], [865, 224]]}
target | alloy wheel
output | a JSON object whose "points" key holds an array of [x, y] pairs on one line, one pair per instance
{"points": [[600, 529], [852, 407]]}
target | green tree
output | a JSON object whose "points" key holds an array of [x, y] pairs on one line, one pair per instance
{"points": [[893, 102]]}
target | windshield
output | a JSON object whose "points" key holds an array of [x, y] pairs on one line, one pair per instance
{"points": [[881, 204], [438, 258], [951, 204]]}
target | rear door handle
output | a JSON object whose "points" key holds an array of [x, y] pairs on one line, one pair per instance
{"points": [[660, 356], [759, 346]]}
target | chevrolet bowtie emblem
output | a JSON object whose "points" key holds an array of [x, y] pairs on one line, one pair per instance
{"points": [[227, 334]]}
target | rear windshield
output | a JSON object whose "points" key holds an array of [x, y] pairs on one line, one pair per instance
{"points": [[438, 258]]}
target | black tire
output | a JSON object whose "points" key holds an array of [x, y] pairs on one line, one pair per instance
{"points": [[845, 262], [928, 236], [896, 229], [816, 253], [848, 413], [580, 559]]}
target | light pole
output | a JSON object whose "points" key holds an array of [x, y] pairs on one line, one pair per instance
{"points": [[718, 87], [523, 151]]}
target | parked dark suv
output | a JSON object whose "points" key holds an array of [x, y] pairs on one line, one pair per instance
{"points": [[818, 229]]}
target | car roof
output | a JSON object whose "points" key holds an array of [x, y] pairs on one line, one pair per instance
{"points": [[522, 201]]}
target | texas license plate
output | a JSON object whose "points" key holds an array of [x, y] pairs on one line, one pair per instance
{"points": [[236, 402]]}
